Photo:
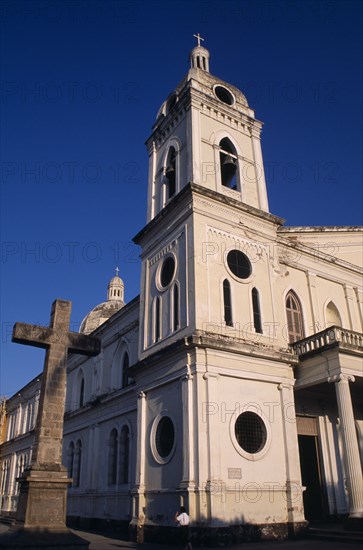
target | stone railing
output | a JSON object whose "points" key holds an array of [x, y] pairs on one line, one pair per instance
{"points": [[328, 337]]}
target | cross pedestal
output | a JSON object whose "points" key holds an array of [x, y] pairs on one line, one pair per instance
{"points": [[41, 513]]}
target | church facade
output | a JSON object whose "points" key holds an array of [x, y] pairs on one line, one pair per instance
{"points": [[232, 385]]}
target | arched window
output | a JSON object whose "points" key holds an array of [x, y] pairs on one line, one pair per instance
{"points": [[124, 454], [77, 464], [175, 307], [332, 315], [81, 392], [70, 459], [170, 174], [295, 327], [112, 457], [157, 331], [125, 366], [256, 311], [227, 303], [228, 164]]}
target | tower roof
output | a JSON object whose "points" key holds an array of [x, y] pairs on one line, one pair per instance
{"points": [[199, 77]]}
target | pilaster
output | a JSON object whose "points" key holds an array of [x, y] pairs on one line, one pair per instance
{"points": [[314, 301], [295, 507], [138, 493], [188, 479]]}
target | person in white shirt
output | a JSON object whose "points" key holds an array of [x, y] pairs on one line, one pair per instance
{"points": [[183, 520]]}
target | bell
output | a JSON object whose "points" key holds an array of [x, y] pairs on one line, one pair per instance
{"points": [[229, 162], [229, 169], [169, 170]]}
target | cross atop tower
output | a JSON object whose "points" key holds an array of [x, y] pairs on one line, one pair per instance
{"points": [[199, 38], [117, 271]]}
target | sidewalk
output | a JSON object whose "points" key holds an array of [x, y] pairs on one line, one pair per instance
{"points": [[109, 541]]}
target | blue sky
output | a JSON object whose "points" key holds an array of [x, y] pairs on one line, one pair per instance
{"points": [[81, 84]]}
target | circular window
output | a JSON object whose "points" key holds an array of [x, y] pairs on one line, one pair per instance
{"points": [[224, 95], [163, 437], [250, 432], [167, 271], [239, 264]]}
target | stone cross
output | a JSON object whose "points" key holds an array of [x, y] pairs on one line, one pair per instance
{"points": [[58, 341], [41, 511], [199, 38]]}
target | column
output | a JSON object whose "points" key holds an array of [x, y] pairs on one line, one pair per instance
{"points": [[350, 444], [295, 507]]}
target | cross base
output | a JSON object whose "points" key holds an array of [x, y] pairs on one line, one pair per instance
{"points": [[43, 497], [41, 515]]}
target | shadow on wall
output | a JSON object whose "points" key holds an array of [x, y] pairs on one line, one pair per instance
{"points": [[222, 536]]}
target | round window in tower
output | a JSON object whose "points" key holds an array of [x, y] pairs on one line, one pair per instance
{"points": [[167, 271], [250, 432], [163, 438], [224, 95], [239, 264]]}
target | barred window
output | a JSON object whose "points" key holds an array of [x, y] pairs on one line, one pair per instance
{"points": [[239, 264], [250, 432]]}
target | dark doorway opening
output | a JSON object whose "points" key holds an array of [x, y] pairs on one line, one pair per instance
{"points": [[311, 477]]}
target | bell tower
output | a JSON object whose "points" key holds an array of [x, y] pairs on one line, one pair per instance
{"points": [[205, 133], [208, 313], [206, 185]]}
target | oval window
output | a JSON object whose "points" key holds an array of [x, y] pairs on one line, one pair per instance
{"points": [[250, 432], [164, 437], [167, 271], [239, 264], [224, 95]]}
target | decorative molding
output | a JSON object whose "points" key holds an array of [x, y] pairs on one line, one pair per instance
{"points": [[170, 246], [241, 243], [346, 378]]}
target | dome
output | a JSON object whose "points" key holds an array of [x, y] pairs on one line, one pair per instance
{"points": [[115, 280], [102, 312]]}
